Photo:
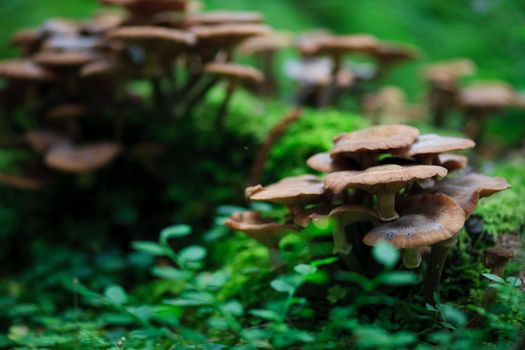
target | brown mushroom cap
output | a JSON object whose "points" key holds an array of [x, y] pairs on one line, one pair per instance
{"points": [[265, 231], [227, 35], [65, 58], [322, 162], [490, 95], [147, 34], [356, 212], [337, 45], [289, 191], [148, 7], [234, 71], [60, 26], [264, 43], [381, 179], [434, 144], [102, 22], [425, 220], [100, 68], [67, 111], [375, 139], [467, 190], [452, 162], [80, 159], [43, 140], [21, 182], [25, 70], [392, 52], [222, 17], [446, 73], [73, 43], [501, 252], [308, 43]]}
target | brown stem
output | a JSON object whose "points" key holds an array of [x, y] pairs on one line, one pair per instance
{"points": [[412, 258], [223, 110], [198, 96], [386, 206], [331, 90], [436, 262]]}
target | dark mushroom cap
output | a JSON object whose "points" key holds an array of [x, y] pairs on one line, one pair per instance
{"points": [[289, 191], [435, 144], [452, 162], [64, 59], [234, 71], [381, 179], [265, 231], [28, 40], [25, 70], [425, 220], [147, 34], [148, 7], [356, 213], [391, 52], [322, 162], [222, 17], [467, 190], [43, 140], [81, 159], [501, 252], [21, 182], [67, 111], [490, 95], [375, 139]]}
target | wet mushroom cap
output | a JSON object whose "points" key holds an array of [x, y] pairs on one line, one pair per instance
{"points": [[322, 162], [138, 34], [452, 162], [289, 191], [25, 70], [467, 190], [80, 159], [434, 144], [65, 58], [377, 138], [425, 220], [487, 95], [263, 230], [222, 17], [234, 71], [382, 178], [67, 111]]}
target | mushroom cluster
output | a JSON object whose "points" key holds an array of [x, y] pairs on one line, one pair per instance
{"points": [[78, 81], [384, 183]]}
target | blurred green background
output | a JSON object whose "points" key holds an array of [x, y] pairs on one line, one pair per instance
{"points": [[491, 32]]}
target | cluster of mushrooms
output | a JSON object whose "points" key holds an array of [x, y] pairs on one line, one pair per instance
{"points": [[76, 79], [382, 183]]}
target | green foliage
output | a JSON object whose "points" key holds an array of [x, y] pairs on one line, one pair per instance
{"points": [[505, 212]]}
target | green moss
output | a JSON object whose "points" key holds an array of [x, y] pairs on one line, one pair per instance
{"points": [[505, 211]]}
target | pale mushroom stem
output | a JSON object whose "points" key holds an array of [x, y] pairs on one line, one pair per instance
{"points": [[341, 245], [412, 258], [436, 262], [269, 85], [223, 110], [386, 206]]}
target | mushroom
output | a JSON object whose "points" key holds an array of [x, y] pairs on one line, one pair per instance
{"points": [[82, 159], [294, 192], [28, 40], [21, 182], [479, 100], [496, 258], [388, 54], [383, 181], [212, 18], [43, 140], [452, 162], [324, 163], [234, 74], [467, 190], [425, 220], [68, 113], [264, 231], [146, 8], [427, 147], [265, 48], [443, 79], [25, 70], [367, 144], [65, 59]]}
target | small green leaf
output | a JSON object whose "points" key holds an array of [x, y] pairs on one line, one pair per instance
{"points": [[267, 315], [193, 253], [385, 254], [116, 295], [494, 278], [151, 248], [175, 231], [454, 316], [168, 272], [514, 281], [304, 269], [234, 307], [282, 286], [398, 278]]}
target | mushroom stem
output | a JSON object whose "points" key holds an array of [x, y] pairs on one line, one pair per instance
{"points": [[437, 259], [412, 258], [386, 206], [440, 102], [341, 245], [223, 110], [198, 96], [331, 90], [269, 85]]}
